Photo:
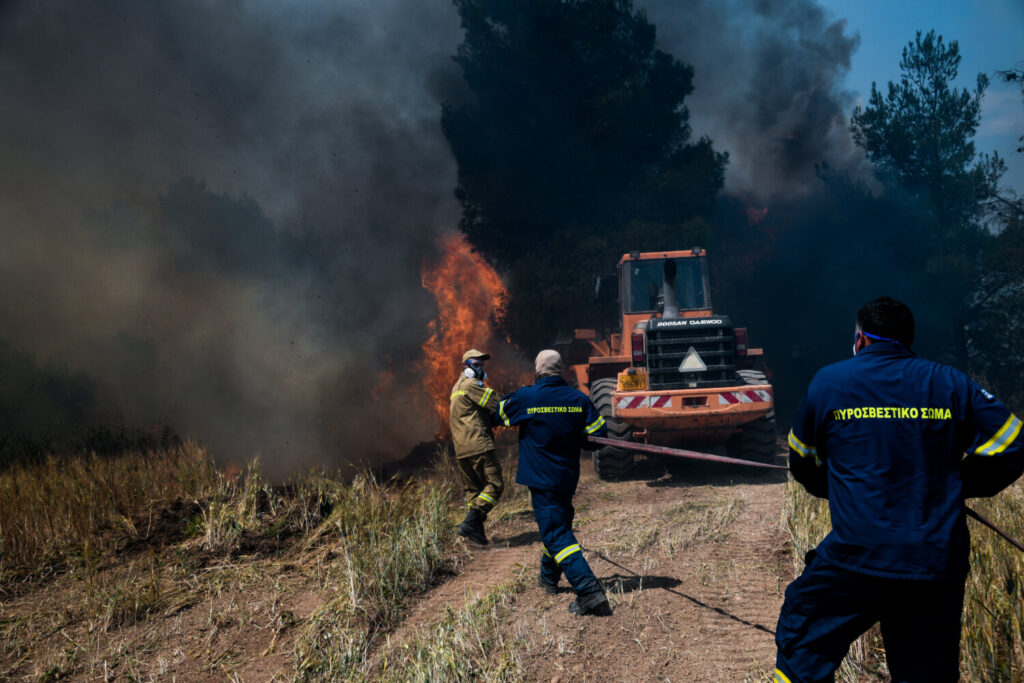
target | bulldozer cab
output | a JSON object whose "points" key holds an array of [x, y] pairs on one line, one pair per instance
{"points": [[646, 278], [636, 293], [644, 284]]}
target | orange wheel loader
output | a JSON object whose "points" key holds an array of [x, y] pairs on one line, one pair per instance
{"points": [[676, 373]]}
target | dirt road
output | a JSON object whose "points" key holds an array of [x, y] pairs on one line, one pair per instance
{"points": [[696, 560]]}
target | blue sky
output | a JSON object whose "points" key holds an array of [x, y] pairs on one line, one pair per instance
{"points": [[991, 37]]}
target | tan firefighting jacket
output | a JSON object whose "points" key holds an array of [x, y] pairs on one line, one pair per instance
{"points": [[472, 405]]}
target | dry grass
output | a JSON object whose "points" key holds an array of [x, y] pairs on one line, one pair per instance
{"points": [[631, 536], [678, 528], [691, 522], [50, 511], [466, 644], [388, 545], [145, 542], [128, 555], [371, 589], [992, 646], [992, 639]]}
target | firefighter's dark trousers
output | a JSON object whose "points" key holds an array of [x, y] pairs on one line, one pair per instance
{"points": [[554, 512], [828, 607], [481, 479]]}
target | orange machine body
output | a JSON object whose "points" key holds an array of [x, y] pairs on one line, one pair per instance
{"points": [[664, 394]]}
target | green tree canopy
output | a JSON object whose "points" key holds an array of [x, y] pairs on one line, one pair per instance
{"points": [[921, 136], [922, 132], [575, 140]]}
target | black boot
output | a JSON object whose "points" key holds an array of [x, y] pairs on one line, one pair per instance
{"points": [[473, 526], [594, 602], [549, 588]]}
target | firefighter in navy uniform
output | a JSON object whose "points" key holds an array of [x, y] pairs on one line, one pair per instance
{"points": [[554, 422], [473, 409], [883, 436]]}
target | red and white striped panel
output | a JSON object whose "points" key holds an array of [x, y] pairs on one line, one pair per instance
{"points": [[749, 396], [634, 402]]}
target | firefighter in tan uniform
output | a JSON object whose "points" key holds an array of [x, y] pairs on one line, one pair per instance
{"points": [[474, 405]]}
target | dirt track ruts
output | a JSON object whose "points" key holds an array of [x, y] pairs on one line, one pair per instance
{"points": [[695, 557]]}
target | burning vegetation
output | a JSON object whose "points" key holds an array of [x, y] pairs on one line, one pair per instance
{"points": [[471, 301]]}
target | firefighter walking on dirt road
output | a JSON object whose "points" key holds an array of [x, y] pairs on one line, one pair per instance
{"points": [[882, 436], [554, 422], [472, 409]]}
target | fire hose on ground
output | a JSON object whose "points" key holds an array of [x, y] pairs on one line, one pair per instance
{"points": [[708, 457]]}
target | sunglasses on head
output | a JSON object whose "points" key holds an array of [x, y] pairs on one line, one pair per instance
{"points": [[872, 336]]}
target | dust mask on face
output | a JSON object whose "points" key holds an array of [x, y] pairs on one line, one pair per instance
{"points": [[475, 371]]}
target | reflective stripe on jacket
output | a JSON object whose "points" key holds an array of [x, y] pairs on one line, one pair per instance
{"points": [[473, 402], [883, 437], [554, 421]]}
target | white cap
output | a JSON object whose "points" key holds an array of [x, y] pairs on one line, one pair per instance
{"points": [[548, 362]]}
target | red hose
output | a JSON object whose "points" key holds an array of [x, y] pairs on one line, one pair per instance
{"points": [[679, 453]]}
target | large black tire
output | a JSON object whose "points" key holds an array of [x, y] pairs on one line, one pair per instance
{"points": [[611, 462], [756, 440]]}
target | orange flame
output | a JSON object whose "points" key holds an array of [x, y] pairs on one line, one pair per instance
{"points": [[471, 301]]}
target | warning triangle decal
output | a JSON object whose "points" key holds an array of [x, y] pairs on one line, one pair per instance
{"points": [[692, 362]]}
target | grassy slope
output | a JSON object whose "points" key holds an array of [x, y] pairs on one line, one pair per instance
{"points": [[156, 564]]}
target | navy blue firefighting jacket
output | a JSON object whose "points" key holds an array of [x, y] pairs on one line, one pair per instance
{"points": [[554, 422], [883, 435]]}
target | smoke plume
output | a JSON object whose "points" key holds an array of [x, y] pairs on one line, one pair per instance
{"points": [[214, 214], [218, 211], [768, 77]]}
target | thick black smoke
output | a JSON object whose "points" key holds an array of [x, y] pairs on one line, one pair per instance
{"points": [[769, 90], [768, 87], [806, 233], [218, 211], [213, 214]]}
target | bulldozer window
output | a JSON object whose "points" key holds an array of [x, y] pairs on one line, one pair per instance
{"points": [[644, 281]]}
